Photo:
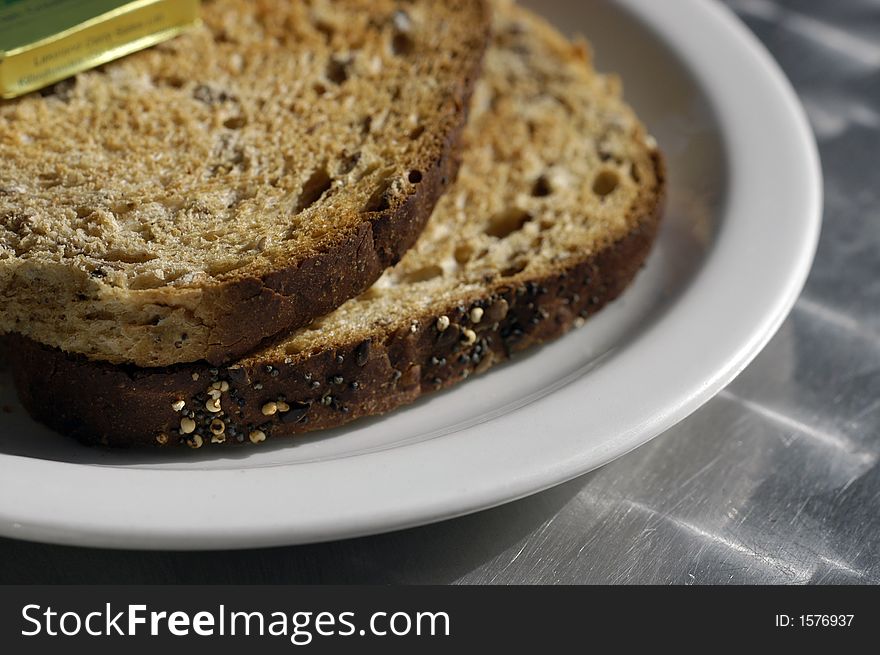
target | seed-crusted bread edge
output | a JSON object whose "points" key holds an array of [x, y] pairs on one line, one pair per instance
{"points": [[199, 406]]}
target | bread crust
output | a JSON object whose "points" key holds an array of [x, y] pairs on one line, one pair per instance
{"points": [[124, 407]]}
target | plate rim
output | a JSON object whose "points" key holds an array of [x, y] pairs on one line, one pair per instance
{"points": [[161, 524]]}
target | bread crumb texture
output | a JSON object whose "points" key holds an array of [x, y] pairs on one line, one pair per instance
{"points": [[138, 200]]}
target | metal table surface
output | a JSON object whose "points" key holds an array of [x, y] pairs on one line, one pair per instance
{"points": [[774, 481]]}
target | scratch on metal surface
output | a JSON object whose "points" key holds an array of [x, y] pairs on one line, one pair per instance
{"points": [[547, 524], [845, 43], [832, 561], [849, 45], [797, 571], [834, 440], [789, 569], [516, 557], [833, 116], [843, 566], [848, 484], [862, 413], [536, 541], [838, 319], [800, 510], [702, 471]]}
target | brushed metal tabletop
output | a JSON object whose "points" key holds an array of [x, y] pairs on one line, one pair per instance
{"points": [[774, 481]]}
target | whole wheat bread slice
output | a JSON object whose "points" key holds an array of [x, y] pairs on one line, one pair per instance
{"points": [[189, 201], [555, 210]]}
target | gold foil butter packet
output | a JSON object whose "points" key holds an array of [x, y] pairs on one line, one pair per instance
{"points": [[45, 41]]}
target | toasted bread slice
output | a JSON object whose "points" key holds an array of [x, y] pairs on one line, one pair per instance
{"points": [[555, 210], [189, 201]]}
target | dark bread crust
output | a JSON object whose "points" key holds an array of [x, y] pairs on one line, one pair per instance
{"points": [[122, 406]]}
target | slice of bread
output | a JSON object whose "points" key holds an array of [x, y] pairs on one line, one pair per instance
{"points": [[557, 205], [189, 201]]}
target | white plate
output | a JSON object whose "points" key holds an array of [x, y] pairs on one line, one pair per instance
{"points": [[735, 250]]}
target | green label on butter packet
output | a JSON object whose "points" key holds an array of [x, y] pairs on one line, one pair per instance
{"points": [[24, 22], [44, 41]]}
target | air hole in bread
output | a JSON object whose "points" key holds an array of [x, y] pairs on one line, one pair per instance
{"points": [[144, 282], [219, 268], [402, 44], [463, 253], [100, 316], [18, 224], [235, 123], [542, 188], [514, 269], [417, 133], [49, 180], [337, 70], [315, 187], [173, 81], [125, 257], [505, 223], [326, 29], [423, 275], [546, 224], [225, 37], [415, 177], [319, 233], [607, 156], [606, 183], [210, 96], [120, 209], [347, 163], [635, 175], [319, 88], [381, 198]]}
